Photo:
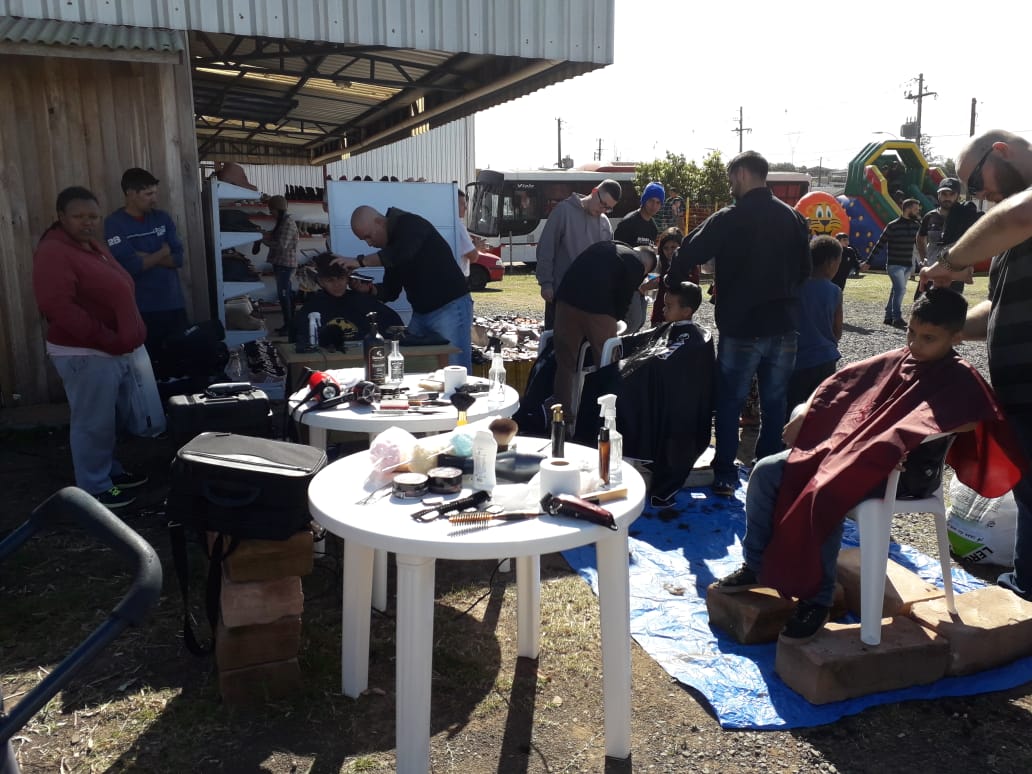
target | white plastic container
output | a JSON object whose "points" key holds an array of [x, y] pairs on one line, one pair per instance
{"points": [[485, 450]]}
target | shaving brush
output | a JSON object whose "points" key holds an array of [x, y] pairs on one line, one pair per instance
{"points": [[462, 401], [504, 430]]}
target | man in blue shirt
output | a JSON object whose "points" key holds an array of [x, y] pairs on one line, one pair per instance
{"points": [[760, 251], [144, 240]]}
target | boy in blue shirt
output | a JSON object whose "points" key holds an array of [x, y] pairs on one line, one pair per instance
{"points": [[820, 322], [143, 239]]}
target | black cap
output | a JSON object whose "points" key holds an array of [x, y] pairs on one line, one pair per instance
{"points": [[950, 184]]}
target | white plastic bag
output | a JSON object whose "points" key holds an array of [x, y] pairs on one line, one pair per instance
{"points": [[388, 451], [981, 529]]}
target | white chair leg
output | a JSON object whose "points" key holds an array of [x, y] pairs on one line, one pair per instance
{"points": [[944, 561], [874, 526]]}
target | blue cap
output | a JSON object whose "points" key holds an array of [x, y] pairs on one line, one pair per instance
{"points": [[653, 191]]}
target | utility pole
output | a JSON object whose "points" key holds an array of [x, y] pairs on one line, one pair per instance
{"points": [[974, 114], [919, 97], [598, 155], [559, 141], [740, 130], [820, 169]]}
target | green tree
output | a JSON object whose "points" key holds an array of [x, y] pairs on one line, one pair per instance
{"points": [[674, 171], [714, 187], [783, 166]]}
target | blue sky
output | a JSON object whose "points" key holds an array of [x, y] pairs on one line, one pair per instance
{"points": [[815, 83]]}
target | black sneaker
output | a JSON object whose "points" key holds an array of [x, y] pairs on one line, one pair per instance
{"points": [[115, 498], [805, 622], [901, 324], [887, 321], [127, 480], [741, 579], [723, 489]]}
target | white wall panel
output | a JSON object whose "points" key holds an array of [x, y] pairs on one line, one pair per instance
{"points": [[574, 30]]}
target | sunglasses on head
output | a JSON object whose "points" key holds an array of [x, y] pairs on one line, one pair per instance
{"points": [[976, 181]]}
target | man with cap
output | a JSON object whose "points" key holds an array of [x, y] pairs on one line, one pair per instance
{"points": [[850, 265], [639, 227], [575, 224], [932, 236], [143, 239], [282, 244], [342, 303]]}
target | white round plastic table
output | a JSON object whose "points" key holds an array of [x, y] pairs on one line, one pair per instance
{"points": [[387, 524], [362, 419]]}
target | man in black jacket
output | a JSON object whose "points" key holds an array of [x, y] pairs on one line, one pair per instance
{"points": [[761, 256], [419, 261], [592, 298]]}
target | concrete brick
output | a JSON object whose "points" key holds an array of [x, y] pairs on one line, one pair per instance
{"points": [[902, 587], [260, 602], [757, 615], [258, 644], [993, 627], [263, 682], [255, 560], [836, 665]]}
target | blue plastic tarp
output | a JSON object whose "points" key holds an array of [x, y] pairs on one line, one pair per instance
{"points": [[676, 553]]}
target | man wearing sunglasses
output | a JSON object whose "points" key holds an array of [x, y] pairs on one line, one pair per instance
{"points": [[997, 165], [573, 226]]}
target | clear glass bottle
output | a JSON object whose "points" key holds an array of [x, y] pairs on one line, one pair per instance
{"points": [[496, 391], [395, 364]]}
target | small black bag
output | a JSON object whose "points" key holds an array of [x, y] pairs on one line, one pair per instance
{"points": [[238, 486]]}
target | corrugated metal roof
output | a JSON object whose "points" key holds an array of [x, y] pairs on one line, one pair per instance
{"points": [[52, 32]]}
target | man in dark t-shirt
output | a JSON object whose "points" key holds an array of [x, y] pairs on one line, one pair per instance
{"points": [[639, 227]]}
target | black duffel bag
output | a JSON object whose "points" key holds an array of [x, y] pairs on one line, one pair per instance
{"points": [[238, 486]]}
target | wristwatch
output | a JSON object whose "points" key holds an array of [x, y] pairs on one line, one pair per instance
{"points": [[361, 261]]}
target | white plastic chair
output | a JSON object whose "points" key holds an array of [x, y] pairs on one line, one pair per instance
{"points": [[874, 520]]}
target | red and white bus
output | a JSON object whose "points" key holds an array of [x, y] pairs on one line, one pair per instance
{"points": [[509, 209]]}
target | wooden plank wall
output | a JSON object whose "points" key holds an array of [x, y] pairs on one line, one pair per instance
{"points": [[83, 122]]}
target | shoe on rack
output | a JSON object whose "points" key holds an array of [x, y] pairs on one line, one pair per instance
{"points": [[115, 498], [741, 579], [901, 324], [127, 480], [723, 489], [805, 622]]}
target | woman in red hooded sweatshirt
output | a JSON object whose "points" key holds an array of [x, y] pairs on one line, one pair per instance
{"points": [[94, 327]]}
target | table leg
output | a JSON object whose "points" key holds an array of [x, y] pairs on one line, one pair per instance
{"points": [[317, 437], [354, 629], [380, 580], [415, 640], [528, 606], [614, 597]]}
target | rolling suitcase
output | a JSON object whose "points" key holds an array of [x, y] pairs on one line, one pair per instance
{"points": [[231, 407]]}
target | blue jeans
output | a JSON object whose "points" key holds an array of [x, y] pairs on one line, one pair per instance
{"points": [[285, 294], [453, 321], [761, 495], [772, 359], [1020, 579], [99, 391], [898, 277]]}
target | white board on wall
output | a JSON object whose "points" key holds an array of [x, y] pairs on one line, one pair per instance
{"points": [[437, 202]]}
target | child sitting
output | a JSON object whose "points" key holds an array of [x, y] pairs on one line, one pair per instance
{"points": [[859, 424], [820, 322], [681, 301]]}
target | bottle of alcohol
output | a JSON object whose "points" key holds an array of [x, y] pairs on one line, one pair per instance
{"points": [[374, 347], [395, 364]]}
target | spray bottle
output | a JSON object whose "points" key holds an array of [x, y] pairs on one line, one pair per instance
{"points": [[610, 444]]}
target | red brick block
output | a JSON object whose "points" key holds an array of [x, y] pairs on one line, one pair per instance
{"points": [[836, 665], [757, 615], [255, 560], [260, 602], [263, 682], [903, 588], [993, 627], [258, 644]]}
